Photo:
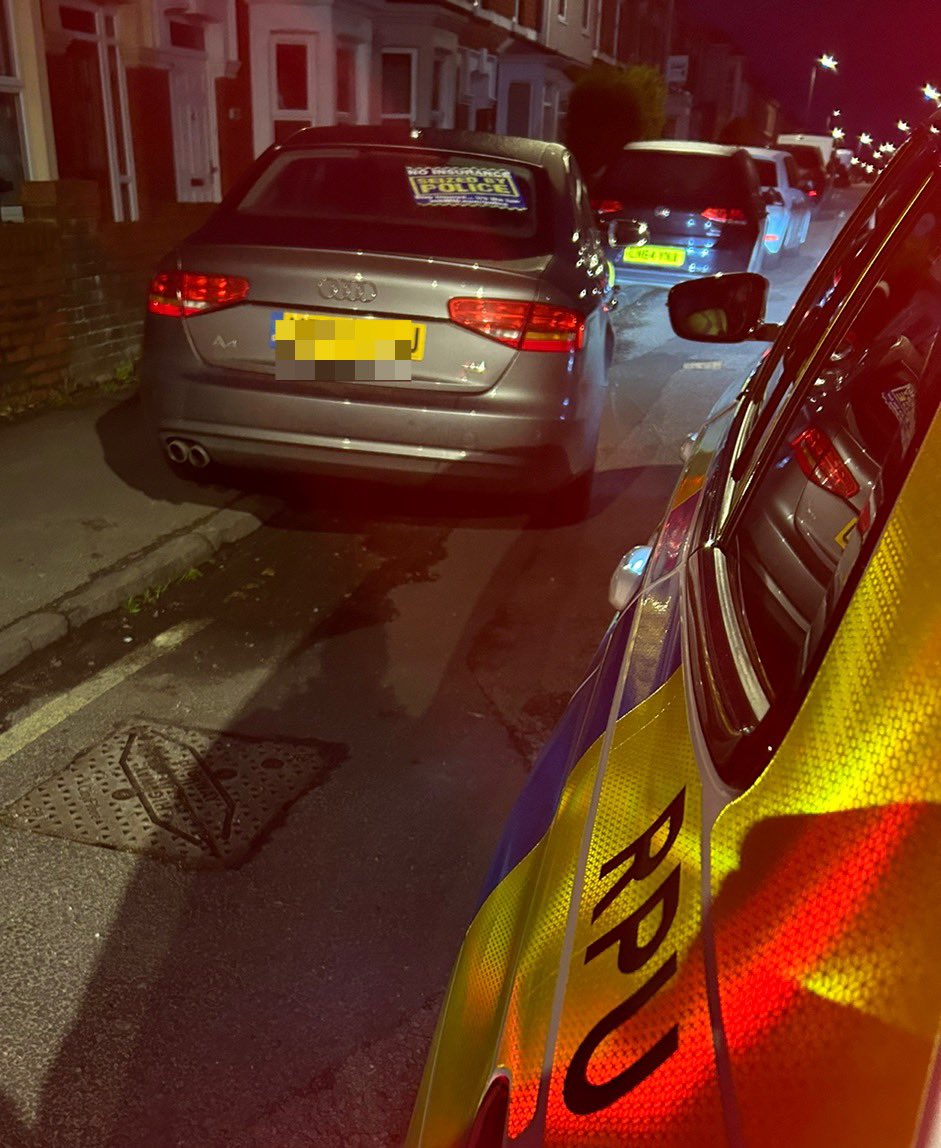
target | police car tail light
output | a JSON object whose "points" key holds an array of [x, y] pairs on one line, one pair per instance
{"points": [[524, 326], [724, 215], [818, 459], [181, 293]]}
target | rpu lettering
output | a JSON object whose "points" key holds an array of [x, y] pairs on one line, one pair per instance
{"points": [[640, 860]]}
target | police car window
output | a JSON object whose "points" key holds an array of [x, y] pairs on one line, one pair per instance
{"points": [[832, 469], [822, 301]]}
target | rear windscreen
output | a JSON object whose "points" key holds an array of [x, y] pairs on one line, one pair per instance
{"points": [[767, 173], [806, 155], [396, 201], [676, 179]]}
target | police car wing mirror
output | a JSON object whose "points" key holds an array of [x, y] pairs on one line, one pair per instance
{"points": [[627, 233], [628, 576], [721, 308]]}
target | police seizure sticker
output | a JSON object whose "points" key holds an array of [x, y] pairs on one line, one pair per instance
{"points": [[465, 187]]}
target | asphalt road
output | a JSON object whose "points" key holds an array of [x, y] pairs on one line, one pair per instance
{"points": [[363, 684]]}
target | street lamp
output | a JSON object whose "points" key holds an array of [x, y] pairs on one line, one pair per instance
{"points": [[825, 61], [838, 133], [903, 126], [931, 93], [865, 139]]}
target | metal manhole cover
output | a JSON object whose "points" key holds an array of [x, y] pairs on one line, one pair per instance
{"points": [[195, 797]]}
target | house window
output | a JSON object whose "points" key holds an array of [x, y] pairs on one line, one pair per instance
{"points": [[518, 104], [346, 82], [586, 14], [6, 44], [398, 85], [90, 107], [292, 76], [187, 36], [562, 10], [11, 154], [77, 19], [550, 111], [442, 92]]}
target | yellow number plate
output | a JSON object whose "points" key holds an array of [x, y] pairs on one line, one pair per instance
{"points": [[666, 256], [344, 338]]}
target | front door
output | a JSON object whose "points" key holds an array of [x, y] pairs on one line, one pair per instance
{"points": [[195, 143]]}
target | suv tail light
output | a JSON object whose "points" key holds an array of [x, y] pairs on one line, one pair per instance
{"points": [[525, 326], [724, 215], [606, 206], [818, 459], [182, 293]]}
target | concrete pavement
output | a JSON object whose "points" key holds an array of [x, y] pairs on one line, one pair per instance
{"points": [[90, 515]]}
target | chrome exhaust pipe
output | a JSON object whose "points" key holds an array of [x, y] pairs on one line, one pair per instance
{"points": [[177, 450], [198, 456]]}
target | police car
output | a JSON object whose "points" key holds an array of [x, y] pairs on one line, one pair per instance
{"points": [[713, 919]]}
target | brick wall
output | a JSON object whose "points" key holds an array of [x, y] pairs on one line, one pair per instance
{"points": [[72, 291]]}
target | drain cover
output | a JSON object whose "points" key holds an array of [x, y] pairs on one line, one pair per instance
{"points": [[195, 797]]}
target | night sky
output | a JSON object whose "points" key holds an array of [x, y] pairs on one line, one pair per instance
{"points": [[887, 50]]}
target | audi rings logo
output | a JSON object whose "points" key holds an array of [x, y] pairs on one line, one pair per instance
{"points": [[349, 290]]}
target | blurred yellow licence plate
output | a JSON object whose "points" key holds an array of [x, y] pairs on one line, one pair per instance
{"points": [[337, 337], [671, 256]]}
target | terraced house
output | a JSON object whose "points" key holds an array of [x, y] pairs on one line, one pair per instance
{"points": [[165, 101]]}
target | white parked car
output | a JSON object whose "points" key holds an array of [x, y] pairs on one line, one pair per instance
{"points": [[788, 220]]}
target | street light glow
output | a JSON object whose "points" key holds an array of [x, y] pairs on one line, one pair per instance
{"points": [[838, 133], [931, 92], [866, 139], [903, 126], [825, 61]]}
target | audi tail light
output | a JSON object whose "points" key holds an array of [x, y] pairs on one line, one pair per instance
{"points": [[724, 215], [183, 293], [818, 459], [521, 325]]}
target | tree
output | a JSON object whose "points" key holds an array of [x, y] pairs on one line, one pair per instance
{"points": [[744, 131], [609, 107]]}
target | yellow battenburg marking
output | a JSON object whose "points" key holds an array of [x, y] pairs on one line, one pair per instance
{"points": [[634, 1059], [499, 1007], [826, 872]]}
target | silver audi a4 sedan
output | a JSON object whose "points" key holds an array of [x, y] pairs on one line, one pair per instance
{"points": [[397, 304]]}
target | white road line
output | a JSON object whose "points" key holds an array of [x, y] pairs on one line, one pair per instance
{"points": [[55, 712]]}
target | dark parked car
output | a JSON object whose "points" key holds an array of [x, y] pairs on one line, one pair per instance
{"points": [[712, 920], [811, 169], [389, 303], [702, 205]]}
